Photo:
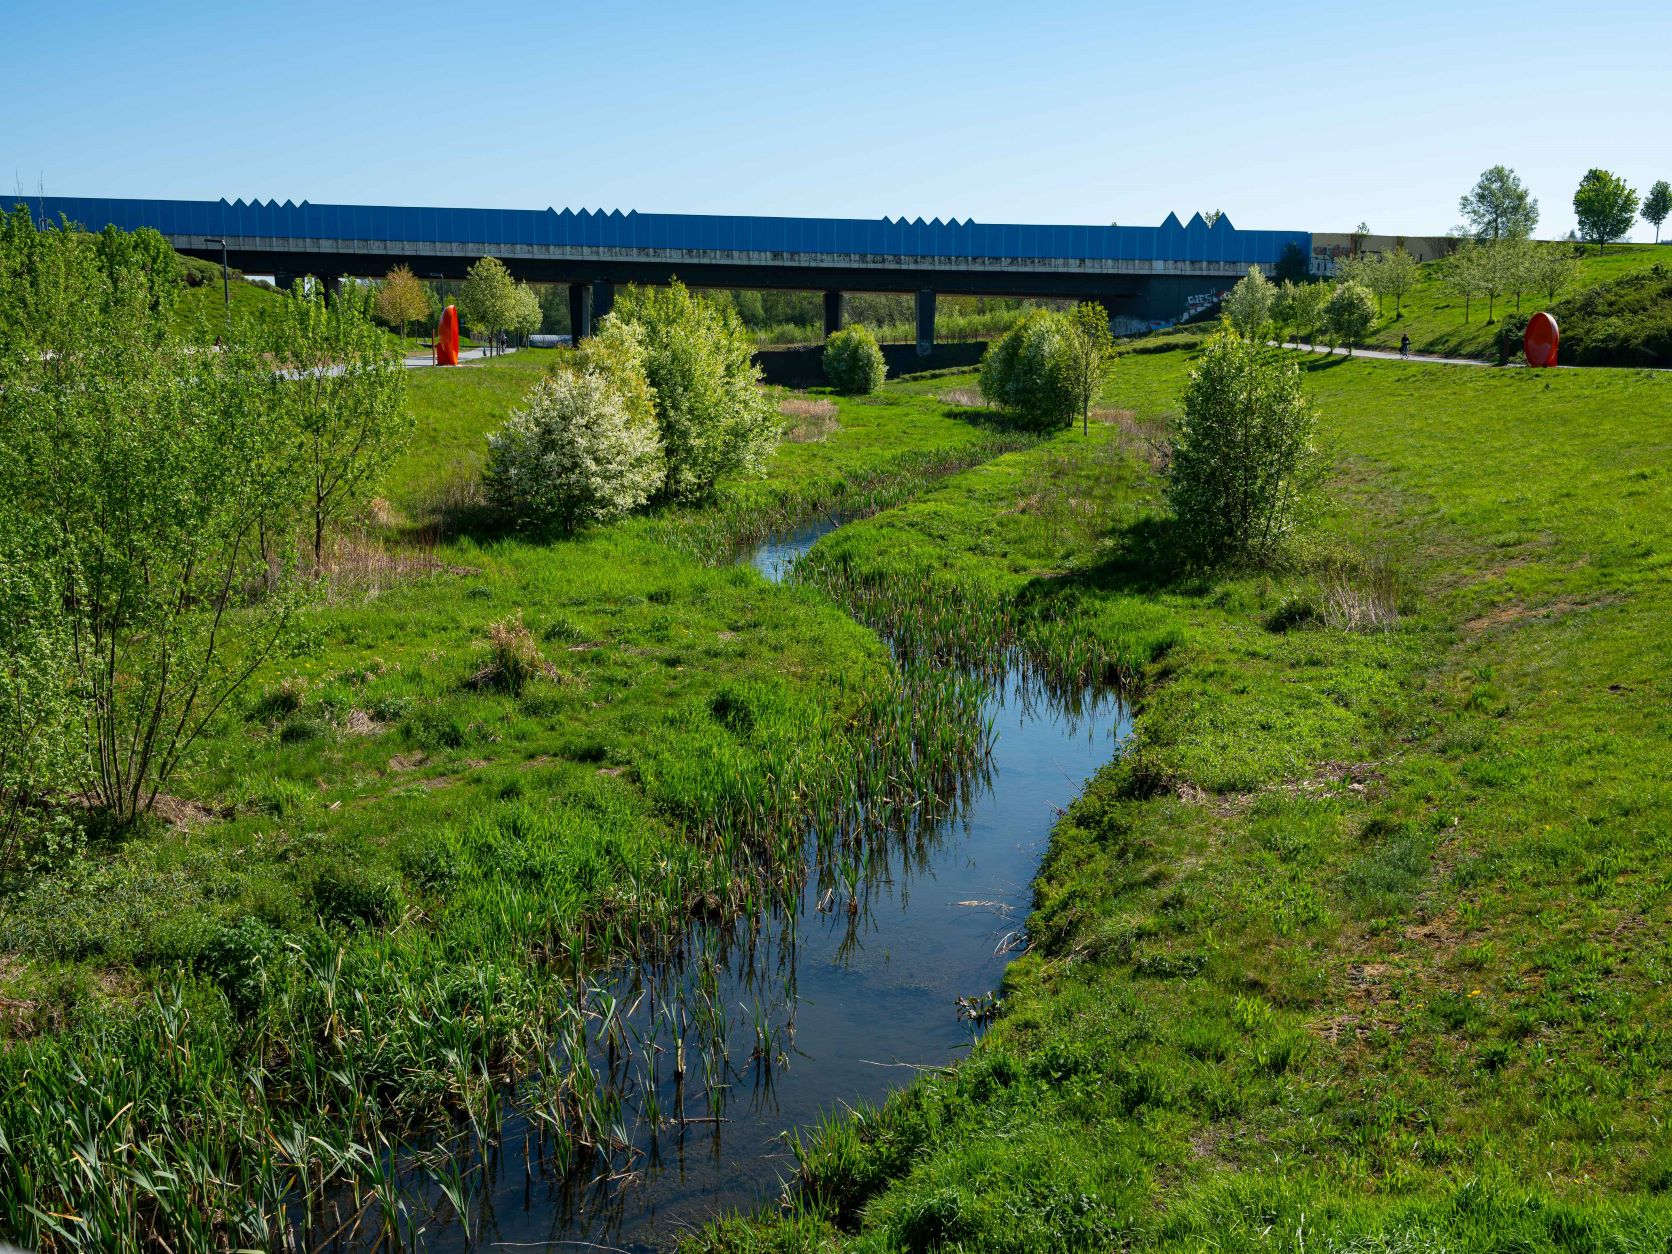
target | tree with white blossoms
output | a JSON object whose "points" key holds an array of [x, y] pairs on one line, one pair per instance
{"points": [[1398, 276], [583, 446], [1249, 306]]}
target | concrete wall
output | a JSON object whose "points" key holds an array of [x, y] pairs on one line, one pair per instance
{"points": [[1328, 245]]}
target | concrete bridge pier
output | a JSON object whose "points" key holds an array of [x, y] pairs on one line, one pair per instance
{"points": [[580, 311], [284, 282], [832, 313], [603, 298], [925, 322], [332, 285]]}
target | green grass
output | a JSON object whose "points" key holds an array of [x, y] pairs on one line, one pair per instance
{"points": [[1360, 945], [389, 873], [1434, 314], [204, 307]]}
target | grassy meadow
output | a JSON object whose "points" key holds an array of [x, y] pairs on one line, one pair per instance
{"points": [[1362, 943], [1433, 314]]}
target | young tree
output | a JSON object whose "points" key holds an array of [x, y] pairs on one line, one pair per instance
{"points": [[152, 469], [1349, 314], [341, 394], [1552, 268], [1361, 232], [713, 418], [583, 447], [1244, 470], [1292, 265], [1249, 304], [1308, 309], [1499, 206], [1462, 274], [1212, 216], [488, 298], [526, 314], [1605, 206], [1657, 204], [1028, 370], [1090, 356], [401, 300], [1399, 276], [853, 361]]}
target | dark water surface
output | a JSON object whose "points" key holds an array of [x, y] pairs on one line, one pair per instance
{"points": [[854, 1002]]}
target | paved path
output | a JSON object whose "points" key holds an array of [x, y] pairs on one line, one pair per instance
{"points": [[419, 360], [1393, 355]]}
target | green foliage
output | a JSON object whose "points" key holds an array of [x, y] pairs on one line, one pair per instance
{"points": [[1244, 465], [1348, 313], [1499, 206], [1293, 265], [713, 418], [1029, 372], [156, 471], [341, 396], [1627, 322], [1657, 204], [488, 300], [852, 361], [1090, 356], [1605, 207], [403, 300], [1249, 305], [583, 446], [42, 754]]}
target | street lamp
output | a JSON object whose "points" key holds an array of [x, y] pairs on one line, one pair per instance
{"points": [[226, 283]]}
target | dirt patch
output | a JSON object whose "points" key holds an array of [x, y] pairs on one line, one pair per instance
{"points": [[612, 771], [360, 723], [183, 814], [408, 761], [1507, 615]]}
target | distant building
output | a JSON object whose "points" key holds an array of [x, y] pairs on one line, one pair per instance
{"points": [[1328, 246]]}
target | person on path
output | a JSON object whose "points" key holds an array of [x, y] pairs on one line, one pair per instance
{"points": [[1405, 344]]}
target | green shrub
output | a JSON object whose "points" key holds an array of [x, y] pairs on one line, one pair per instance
{"points": [[1029, 372], [713, 418], [583, 447], [852, 361], [1244, 468], [352, 896], [1348, 314], [237, 960]]}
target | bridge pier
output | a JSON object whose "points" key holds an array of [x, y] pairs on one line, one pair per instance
{"points": [[333, 285], [832, 313], [580, 311], [925, 322], [284, 282], [603, 298]]}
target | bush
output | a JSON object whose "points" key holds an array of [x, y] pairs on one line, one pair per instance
{"points": [[713, 418], [1244, 468], [583, 448], [351, 896], [852, 361], [1029, 371], [40, 744], [1250, 304], [238, 959]]}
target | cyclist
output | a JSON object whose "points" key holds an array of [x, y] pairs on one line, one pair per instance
{"points": [[1405, 344]]}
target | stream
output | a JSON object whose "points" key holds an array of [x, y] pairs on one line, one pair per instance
{"points": [[852, 1003]]}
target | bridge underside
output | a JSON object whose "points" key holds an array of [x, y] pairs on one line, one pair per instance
{"points": [[1135, 291]]}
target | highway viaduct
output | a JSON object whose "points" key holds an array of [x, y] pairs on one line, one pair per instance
{"points": [[1142, 275]]}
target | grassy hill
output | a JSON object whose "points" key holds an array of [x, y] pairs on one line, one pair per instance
{"points": [[1434, 314]]}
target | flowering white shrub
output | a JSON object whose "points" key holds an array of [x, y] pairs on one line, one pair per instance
{"points": [[583, 447]]}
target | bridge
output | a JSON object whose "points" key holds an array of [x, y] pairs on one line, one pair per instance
{"points": [[1142, 275]]}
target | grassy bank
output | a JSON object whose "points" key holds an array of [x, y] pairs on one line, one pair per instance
{"points": [[1361, 944], [1434, 314], [481, 767]]}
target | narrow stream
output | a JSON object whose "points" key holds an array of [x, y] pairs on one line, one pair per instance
{"points": [[855, 1002]]}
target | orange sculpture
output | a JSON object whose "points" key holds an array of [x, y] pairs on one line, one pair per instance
{"points": [[447, 338], [1541, 340]]}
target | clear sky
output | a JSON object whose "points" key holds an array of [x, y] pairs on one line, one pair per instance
{"points": [[1305, 116]]}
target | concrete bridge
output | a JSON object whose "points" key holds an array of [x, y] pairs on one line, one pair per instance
{"points": [[1142, 275]]}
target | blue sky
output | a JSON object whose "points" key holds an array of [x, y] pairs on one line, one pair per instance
{"points": [[1306, 116]]}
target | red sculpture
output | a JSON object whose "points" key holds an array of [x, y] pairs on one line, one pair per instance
{"points": [[1541, 340], [447, 338]]}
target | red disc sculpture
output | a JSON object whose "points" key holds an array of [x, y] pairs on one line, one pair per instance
{"points": [[447, 338], [1541, 340]]}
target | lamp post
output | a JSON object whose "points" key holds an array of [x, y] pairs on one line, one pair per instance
{"points": [[226, 283]]}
